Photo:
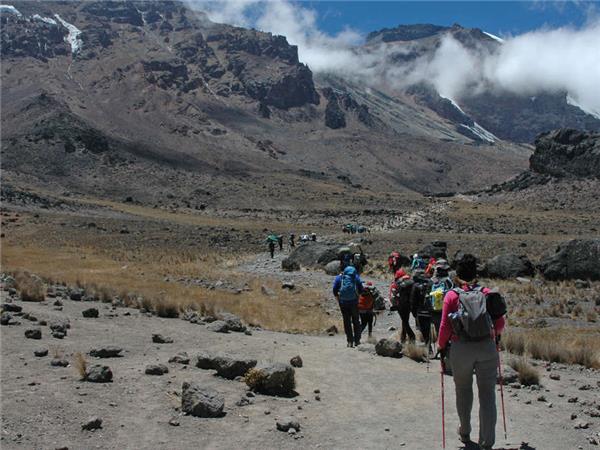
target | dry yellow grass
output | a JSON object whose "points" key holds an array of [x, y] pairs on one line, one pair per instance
{"points": [[80, 364], [415, 352], [30, 286], [528, 375], [139, 278], [569, 346]]}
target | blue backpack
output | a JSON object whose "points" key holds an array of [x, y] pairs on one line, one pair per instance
{"points": [[348, 292]]}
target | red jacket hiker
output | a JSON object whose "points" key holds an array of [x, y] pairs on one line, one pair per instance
{"points": [[450, 306]]}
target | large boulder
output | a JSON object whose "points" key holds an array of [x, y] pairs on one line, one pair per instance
{"points": [[233, 323], [99, 374], [437, 250], [106, 352], [199, 401], [332, 268], [389, 348], [277, 379], [312, 254], [509, 265], [227, 366], [578, 258]]}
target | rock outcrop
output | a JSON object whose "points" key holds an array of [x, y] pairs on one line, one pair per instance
{"points": [[578, 258], [509, 266]]}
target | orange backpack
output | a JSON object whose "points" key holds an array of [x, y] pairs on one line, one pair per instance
{"points": [[366, 301]]}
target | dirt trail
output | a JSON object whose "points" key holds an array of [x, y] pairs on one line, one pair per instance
{"points": [[366, 401]]}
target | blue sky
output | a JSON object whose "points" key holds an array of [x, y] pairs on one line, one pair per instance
{"points": [[498, 17]]}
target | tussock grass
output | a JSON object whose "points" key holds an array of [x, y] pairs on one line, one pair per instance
{"points": [[528, 375], [30, 286], [80, 364], [415, 352], [254, 378], [569, 346]]}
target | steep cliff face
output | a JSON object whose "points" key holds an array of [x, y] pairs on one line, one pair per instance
{"points": [[567, 152]]}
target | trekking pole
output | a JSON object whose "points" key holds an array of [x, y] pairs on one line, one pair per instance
{"points": [[443, 406], [501, 391]]}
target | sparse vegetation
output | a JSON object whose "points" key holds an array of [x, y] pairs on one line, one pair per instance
{"points": [[31, 287], [254, 378], [528, 375], [80, 364], [415, 352]]}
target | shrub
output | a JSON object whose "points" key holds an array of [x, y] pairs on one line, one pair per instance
{"points": [[528, 375], [30, 286], [254, 378], [80, 365], [415, 352], [514, 343], [166, 308]]}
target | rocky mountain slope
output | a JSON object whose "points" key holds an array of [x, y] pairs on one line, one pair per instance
{"points": [[152, 101]]}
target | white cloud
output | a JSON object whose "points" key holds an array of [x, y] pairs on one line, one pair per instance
{"points": [[563, 59]]}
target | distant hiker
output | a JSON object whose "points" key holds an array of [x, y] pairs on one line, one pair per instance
{"points": [[271, 241], [291, 241], [313, 237], [345, 257], [346, 288], [366, 303], [440, 285], [430, 267], [304, 238], [400, 291], [421, 306], [359, 261], [417, 263], [394, 261], [280, 242], [473, 319]]}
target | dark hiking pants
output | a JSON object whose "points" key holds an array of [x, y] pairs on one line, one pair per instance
{"points": [[481, 358], [351, 322], [436, 318], [366, 319], [404, 314], [425, 327]]}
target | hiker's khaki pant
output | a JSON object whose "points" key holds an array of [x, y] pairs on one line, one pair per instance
{"points": [[481, 358]]}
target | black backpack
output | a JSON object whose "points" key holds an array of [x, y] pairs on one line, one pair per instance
{"points": [[418, 297], [401, 295]]}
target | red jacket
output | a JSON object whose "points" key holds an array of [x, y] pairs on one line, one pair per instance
{"points": [[451, 305]]}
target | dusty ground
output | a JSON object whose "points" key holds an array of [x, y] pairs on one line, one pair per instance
{"points": [[366, 401]]}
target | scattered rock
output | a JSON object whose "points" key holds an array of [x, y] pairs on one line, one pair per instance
{"points": [[106, 352], [174, 421], [57, 303], [218, 326], [59, 362], [227, 366], [582, 425], [286, 423], [267, 291], [288, 285], [91, 313], [60, 325], [289, 265], [76, 295], [509, 375], [33, 333], [200, 401], [6, 319], [332, 268], [585, 387], [243, 401], [92, 424], [296, 361], [233, 323], [41, 352], [276, 379], [389, 348], [180, 358], [156, 369], [58, 334], [554, 376], [160, 339], [11, 307], [99, 374], [509, 265], [332, 330]]}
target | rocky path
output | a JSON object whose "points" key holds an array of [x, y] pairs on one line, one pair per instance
{"points": [[347, 398]]}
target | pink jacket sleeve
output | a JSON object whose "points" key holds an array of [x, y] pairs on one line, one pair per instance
{"points": [[450, 306]]}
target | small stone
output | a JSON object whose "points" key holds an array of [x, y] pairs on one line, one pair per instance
{"points": [[317, 391], [58, 362], [92, 424], [582, 426], [57, 303], [292, 431], [286, 423], [267, 412], [199, 401], [90, 313], [573, 416], [174, 421], [33, 333], [41, 352], [318, 398], [99, 374], [296, 361], [106, 352], [58, 334], [572, 400], [180, 358], [160, 339], [554, 376], [156, 369], [541, 398], [585, 387]]}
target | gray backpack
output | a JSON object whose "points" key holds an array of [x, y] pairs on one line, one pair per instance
{"points": [[472, 321]]}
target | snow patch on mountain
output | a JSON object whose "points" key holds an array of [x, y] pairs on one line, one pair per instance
{"points": [[571, 101], [480, 132], [494, 37], [73, 37], [10, 9], [44, 19]]}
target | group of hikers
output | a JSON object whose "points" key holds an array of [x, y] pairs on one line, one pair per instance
{"points": [[451, 310], [276, 240]]}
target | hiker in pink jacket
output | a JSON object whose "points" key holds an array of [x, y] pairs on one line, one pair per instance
{"points": [[470, 355]]}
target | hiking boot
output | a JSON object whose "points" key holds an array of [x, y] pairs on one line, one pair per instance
{"points": [[465, 438], [356, 344], [349, 344]]}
